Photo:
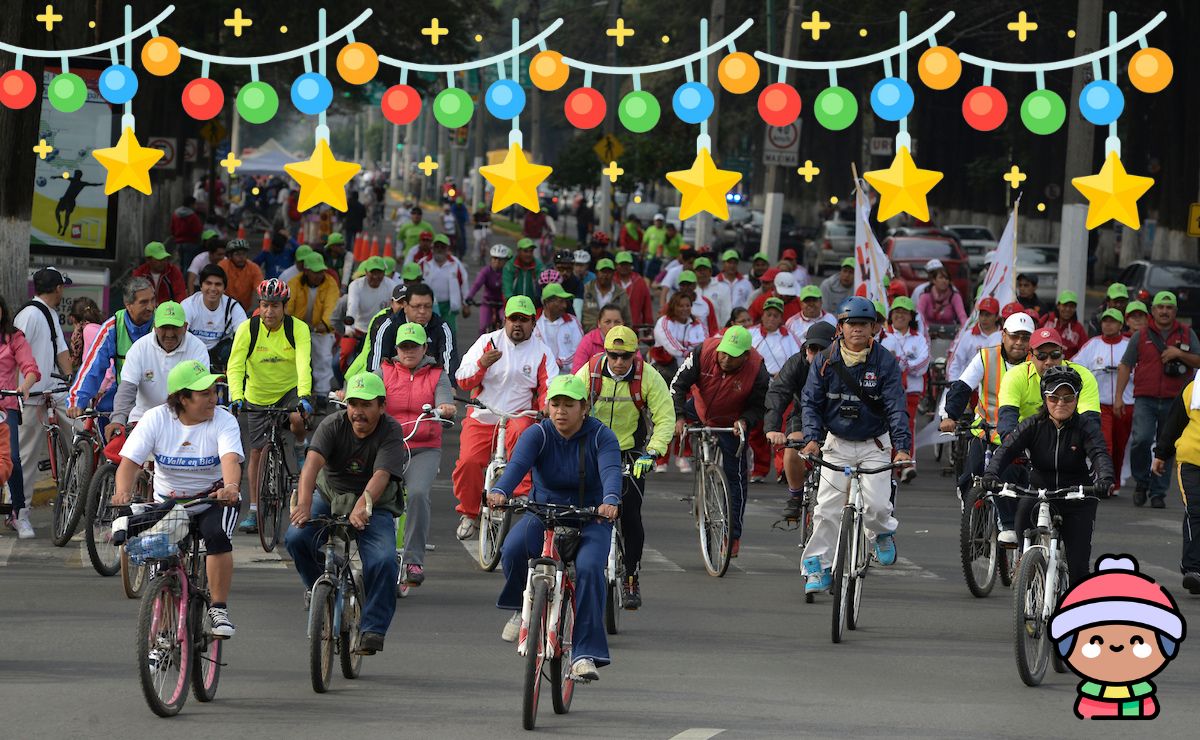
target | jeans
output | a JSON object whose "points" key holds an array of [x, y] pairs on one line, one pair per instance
{"points": [[735, 469], [376, 549], [422, 469], [1189, 483], [524, 541], [1148, 413], [16, 482]]}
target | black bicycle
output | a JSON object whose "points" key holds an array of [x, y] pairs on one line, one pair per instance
{"points": [[276, 480], [335, 605]]}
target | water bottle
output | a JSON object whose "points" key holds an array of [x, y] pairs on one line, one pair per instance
{"points": [[150, 546]]}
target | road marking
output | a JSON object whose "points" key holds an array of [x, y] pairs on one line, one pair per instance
{"points": [[697, 733], [6, 548], [905, 567], [654, 561], [1171, 526], [1160, 574], [757, 561]]}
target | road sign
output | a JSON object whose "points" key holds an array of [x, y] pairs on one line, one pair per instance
{"points": [[1194, 220], [168, 147], [782, 145], [882, 146], [213, 132], [608, 149], [191, 151]]}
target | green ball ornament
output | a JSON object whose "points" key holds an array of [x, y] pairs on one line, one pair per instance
{"points": [[257, 102], [639, 111], [1043, 112], [835, 108], [453, 107], [67, 92]]}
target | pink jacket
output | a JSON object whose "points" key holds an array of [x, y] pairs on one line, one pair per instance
{"points": [[15, 355]]}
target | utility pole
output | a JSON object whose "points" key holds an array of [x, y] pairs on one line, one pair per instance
{"points": [[716, 30], [535, 95], [1073, 249], [606, 208], [773, 208]]}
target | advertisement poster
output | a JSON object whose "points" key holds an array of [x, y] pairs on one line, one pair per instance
{"points": [[71, 214]]}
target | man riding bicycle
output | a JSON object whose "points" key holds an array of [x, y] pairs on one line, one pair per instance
{"points": [[1020, 390], [269, 365], [854, 401], [109, 348], [622, 392], [354, 455]]}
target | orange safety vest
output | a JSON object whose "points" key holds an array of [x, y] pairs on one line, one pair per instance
{"points": [[989, 388]]}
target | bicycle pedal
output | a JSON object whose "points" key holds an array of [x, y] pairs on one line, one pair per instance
{"points": [[43, 466]]}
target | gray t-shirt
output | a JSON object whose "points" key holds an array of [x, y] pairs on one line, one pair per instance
{"points": [[1130, 358], [350, 462]]}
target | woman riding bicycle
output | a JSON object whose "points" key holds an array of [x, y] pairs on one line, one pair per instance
{"points": [[1061, 448], [575, 460], [490, 281]]}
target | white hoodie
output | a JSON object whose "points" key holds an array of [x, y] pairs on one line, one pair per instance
{"points": [[516, 382]]}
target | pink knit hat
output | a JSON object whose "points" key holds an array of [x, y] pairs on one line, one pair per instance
{"points": [[1117, 593]]}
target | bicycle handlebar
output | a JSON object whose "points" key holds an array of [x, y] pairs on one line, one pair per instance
{"points": [[32, 394], [531, 413], [850, 470], [526, 505], [1011, 490]]}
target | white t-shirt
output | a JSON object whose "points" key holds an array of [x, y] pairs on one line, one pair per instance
{"points": [[562, 336], [209, 326], [365, 301], [187, 459], [289, 273], [32, 323], [199, 262], [147, 365]]}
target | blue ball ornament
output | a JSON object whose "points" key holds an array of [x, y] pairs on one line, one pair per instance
{"points": [[118, 84], [312, 93], [692, 102], [892, 99], [1101, 102], [505, 99]]}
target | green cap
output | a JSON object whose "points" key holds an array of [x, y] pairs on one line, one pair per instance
{"points": [[735, 342], [1135, 306], [1068, 296], [607, 264], [687, 276], [411, 271], [731, 254], [568, 385], [761, 256], [775, 303], [903, 301], [192, 375], [702, 262], [848, 262], [169, 314], [365, 387], [335, 238], [1114, 314], [156, 250], [880, 308], [554, 290], [810, 291], [410, 332], [370, 264], [389, 264], [303, 251], [442, 239], [623, 257], [208, 234], [520, 304], [1164, 298], [1118, 290], [314, 262], [526, 243]]}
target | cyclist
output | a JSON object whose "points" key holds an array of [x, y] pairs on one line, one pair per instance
{"points": [[297, 267], [729, 380], [641, 312], [313, 294], [557, 329], [739, 286], [410, 233], [904, 339], [604, 291], [940, 303], [776, 346], [196, 448], [854, 401], [16, 358], [242, 275], [375, 345], [1063, 450], [1064, 319], [1102, 354], [574, 459], [489, 281], [110, 347], [164, 275], [811, 313], [624, 393], [717, 292], [508, 370], [520, 275], [368, 294], [446, 275], [564, 262], [212, 316], [985, 333], [1020, 395], [353, 455], [593, 341], [269, 365]]}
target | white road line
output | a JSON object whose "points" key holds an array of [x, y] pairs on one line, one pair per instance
{"points": [[905, 567], [1174, 527], [698, 733], [654, 561], [6, 548], [1165, 576]]}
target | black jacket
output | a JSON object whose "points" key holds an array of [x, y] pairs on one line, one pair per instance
{"points": [[1059, 456], [441, 342], [785, 388]]}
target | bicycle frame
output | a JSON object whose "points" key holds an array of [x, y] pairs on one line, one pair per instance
{"points": [[337, 567], [548, 568]]}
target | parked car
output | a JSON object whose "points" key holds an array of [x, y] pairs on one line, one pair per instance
{"points": [[910, 253], [1145, 278], [724, 231], [834, 242], [1041, 260], [976, 241], [791, 236]]}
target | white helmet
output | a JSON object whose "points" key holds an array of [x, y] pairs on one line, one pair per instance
{"points": [[501, 252], [582, 257]]}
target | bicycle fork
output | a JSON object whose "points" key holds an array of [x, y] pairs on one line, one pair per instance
{"points": [[532, 578]]}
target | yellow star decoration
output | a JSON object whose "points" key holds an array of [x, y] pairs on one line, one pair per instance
{"points": [[703, 187], [903, 187], [322, 178], [128, 164], [1113, 193], [515, 181]]}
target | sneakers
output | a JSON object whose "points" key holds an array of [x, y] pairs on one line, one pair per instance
{"points": [[1156, 502], [369, 644], [468, 527], [885, 548], [1007, 538], [758, 479], [414, 575], [632, 593], [22, 525], [584, 670], [660, 468], [1191, 581], [512, 628], [819, 579], [733, 549], [683, 464], [249, 525], [1140, 493], [791, 510], [222, 628], [156, 658]]}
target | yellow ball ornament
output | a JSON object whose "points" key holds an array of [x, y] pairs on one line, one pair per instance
{"points": [[738, 72], [357, 63], [939, 68], [160, 56], [547, 71], [1150, 70]]}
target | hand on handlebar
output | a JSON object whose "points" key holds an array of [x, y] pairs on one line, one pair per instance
{"points": [[947, 425], [359, 516], [114, 430], [300, 511], [643, 465], [497, 499], [74, 412], [607, 511], [812, 448], [447, 410], [739, 428], [305, 407], [777, 438], [990, 483], [902, 456]]}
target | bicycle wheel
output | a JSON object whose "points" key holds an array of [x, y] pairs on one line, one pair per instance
{"points": [[861, 561], [133, 577], [493, 528], [614, 604], [1029, 630], [163, 653], [269, 499], [105, 556], [807, 505], [351, 632], [842, 565], [206, 662], [535, 656], [561, 683], [72, 490], [321, 637], [977, 544], [715, 540]]}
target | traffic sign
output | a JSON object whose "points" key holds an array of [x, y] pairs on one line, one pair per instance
{"points": [[1194, 220], [782, 145], [608, 149], [191, 151], [213, 132], [167, 146]]}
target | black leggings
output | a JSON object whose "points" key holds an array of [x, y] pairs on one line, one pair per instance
{"points": [[1078, 522], [631, 522], [216, 527]]}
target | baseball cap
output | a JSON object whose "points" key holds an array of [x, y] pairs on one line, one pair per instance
{"points": [[389, 264], [988, 305], [809, 292], [606, 264], [659, 217], [335, 238], [1045, 336], [442, 239], [775, 303], [1114, 314], [567, 385], [365, 387], [49, 278], [519, 304], [191, 375], [526, 243], [1027, 276], [761, 256], [880, 308], [169, 314], [1135, 306], [1011, 308], [314, 262], [412, 333], [1164, 298], [400, 292], [1118, 290], [370, 264], [903, 302], [735, 342], [425, 233], [934, 264], [302, 251], [554, 290], [820, 335], [785, 284], [411, 271], [1019, 321], [621, 338], [156, 250], [687, 276], [770, 275], [1068, 296], [208, 234], [848, 262], [788, 254], [731, 254], [702, 262], [624, 257]]}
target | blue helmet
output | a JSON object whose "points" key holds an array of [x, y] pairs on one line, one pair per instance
{"points": [[856, 307]]}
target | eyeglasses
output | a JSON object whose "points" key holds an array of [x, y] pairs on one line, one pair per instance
{"points": [[1056, 354], [1061, 399], [622, 356]]}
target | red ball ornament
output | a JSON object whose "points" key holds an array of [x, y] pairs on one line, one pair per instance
{"points": [[779, 104], [203, 99], [585, 107], [984, 108], [17, 89], [400, 104]]}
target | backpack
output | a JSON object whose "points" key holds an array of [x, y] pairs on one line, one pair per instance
{"points": [[49, 321], [289, 332], [596, 367]]}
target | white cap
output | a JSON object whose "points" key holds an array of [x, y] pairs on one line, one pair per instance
{"points": [[934, 264], [582, 257], [990, 257], [785, 284], [659, 217], [1019, 321]]}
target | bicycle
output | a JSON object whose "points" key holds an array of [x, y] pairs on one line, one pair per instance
{"points": [[548, 610], [1042, 579], [710, 502], [852, 557], [87, 446], [108, 557], [983, 558], [276, 480], [614, 574], [808, 504], [335, 605], [67, 509]]}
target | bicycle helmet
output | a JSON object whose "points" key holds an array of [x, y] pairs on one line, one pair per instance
{"points": [[236, 244], [600, 237], [273, 290], [582, 257], [563, 255], [1058, 376], [500, 251], [856, 307], [549, 276]]}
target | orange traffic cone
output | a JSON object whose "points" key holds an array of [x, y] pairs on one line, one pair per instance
{"points": [[241, 232], [360, 252], [374, 246], [266, 244], [387, 248]]}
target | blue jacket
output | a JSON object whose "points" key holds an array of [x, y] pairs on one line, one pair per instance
{"points": [[555, 465], [274, 263], [97, 359], [825, 395]]}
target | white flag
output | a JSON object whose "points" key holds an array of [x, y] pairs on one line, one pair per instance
{"points": [[1001, 278], [871, 264]]}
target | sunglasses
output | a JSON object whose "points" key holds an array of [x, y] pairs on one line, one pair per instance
{"points": [[620, 355], [1056, 354], [1061, 399]]}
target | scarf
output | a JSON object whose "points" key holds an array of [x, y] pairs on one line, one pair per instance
{"points": [[852, 358]]}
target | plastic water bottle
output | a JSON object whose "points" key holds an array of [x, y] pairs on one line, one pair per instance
{"points": [[150, 546]]}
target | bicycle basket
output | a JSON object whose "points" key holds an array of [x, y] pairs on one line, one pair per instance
{"points": [[567, 541]]}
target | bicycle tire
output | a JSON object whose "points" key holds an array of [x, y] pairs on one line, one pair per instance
{"points": [[1030, 642], [133, 577], [807, 505], [977, 545], [492, 530], [614, 604], [1063, 585], [105, 556], [72, 490], [837, 589], [351, 632], [561, 683], [321, 639], [535, 646], [861, 561], [716, 541], [268, 500], [159, 628], [206, 662]]}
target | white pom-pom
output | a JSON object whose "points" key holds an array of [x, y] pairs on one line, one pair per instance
{"points": [[1117, 563]]}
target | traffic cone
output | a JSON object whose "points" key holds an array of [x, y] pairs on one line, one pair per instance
{"points": [[374, 246], [387, 248], [241, 232], [266, 244]]}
